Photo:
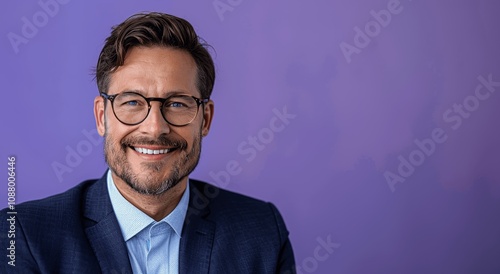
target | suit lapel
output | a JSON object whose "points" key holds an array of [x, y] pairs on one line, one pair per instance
{"points": [[106, 239], [103, 231], [197, 234]]}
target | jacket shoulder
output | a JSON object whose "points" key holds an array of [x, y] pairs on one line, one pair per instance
{"points": [[224, 200], [61, 202], [249, 231], [57, 211], [233, 208], [50, 228]]}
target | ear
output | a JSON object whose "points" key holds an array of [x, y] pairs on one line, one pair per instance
{"points": [[208, 114], [99, 114]]}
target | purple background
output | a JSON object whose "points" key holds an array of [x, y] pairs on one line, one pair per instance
{"points": [[354, 120]]}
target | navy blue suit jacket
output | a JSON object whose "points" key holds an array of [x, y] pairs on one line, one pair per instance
{"points": [[77, 232]]}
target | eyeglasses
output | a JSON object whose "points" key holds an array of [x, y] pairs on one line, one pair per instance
{"points": [[132, 108]]}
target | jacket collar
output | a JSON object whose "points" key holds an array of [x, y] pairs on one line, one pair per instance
{"points": [[103, 231], [105, 237], [198, 232]]}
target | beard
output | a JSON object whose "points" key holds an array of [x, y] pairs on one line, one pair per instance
{"points": [[150, 180]]}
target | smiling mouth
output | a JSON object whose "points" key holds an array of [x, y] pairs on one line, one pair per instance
{"points": [[148, 151]]}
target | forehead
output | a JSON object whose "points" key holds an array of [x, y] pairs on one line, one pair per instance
{"points": [[155, 72]]}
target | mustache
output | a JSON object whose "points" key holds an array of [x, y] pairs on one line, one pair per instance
{"points": [[162, 140]]}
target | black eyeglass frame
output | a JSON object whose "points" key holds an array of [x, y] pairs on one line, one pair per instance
{"points": [[111, 98]]}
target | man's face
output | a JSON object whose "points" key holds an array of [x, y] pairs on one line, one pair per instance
{"points": [[153, 72]]}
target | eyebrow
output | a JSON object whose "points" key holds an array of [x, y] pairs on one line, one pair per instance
{"points": [[168, 94]]}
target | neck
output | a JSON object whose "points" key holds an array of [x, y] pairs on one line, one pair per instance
{"points": [[155, 206]]}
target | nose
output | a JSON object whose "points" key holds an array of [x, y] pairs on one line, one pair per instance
{"points": [[155, 124]]}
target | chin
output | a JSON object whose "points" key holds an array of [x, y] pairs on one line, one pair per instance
{"points": [[162, 184]]}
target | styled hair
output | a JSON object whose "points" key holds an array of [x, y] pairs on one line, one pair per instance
{"points": [[155, 29]]}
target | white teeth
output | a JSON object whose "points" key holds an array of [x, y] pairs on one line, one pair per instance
{"points": [[150, 151]]}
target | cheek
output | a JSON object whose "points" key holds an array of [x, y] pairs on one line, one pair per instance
{"points": [[189, 134], [116, 132]]}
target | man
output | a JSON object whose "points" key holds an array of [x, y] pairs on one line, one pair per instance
{"points": [[145, 215]]}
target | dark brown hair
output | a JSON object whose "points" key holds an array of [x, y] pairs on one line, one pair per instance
{"points": [[155, 29]]}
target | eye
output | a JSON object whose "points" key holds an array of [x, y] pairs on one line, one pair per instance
{"points": [[176, 104], [131, 103], [129, 100], [180, 103]]}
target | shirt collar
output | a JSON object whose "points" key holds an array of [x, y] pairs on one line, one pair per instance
{"points": [[132, 220]]}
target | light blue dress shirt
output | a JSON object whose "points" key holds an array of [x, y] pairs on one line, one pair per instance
{"points": [[153, 247]]}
